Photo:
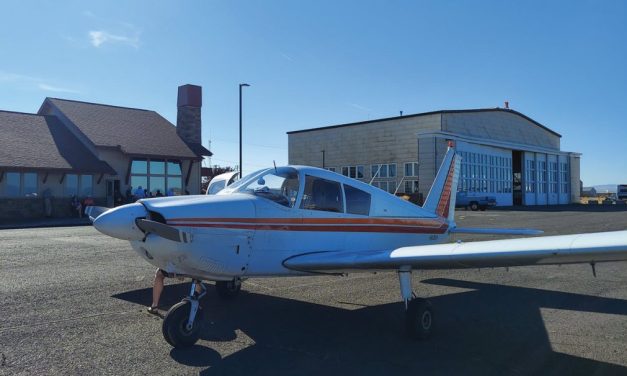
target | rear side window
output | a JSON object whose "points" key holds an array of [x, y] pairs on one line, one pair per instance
{"points": [[357, 201], [322, 194]]}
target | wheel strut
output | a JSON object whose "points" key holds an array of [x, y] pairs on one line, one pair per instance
{"points": [[193, 298], [419, 316]]}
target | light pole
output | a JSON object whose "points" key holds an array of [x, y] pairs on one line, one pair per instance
{"points": [[240, 129]]}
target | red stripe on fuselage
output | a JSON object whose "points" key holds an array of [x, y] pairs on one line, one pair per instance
{"points": [[379, 225]]}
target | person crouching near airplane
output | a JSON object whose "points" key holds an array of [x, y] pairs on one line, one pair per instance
{"points": [[157, 289]]}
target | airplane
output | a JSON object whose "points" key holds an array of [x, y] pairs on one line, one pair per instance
{"points": [[219, 182], [304, 221]]}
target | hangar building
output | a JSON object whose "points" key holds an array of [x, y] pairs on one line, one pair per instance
{"points": [[505, 154], [72, 148]]}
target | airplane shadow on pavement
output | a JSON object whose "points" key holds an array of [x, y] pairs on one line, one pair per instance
{"points": [[491, 330]]}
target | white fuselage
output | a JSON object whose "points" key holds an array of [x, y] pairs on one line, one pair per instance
{"points": [[240, 235]]}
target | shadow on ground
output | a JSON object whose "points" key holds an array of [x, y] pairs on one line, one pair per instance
{"points": [[490, 330]]}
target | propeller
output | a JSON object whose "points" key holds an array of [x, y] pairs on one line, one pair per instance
{"points": [[163, 230], [94, 212]]}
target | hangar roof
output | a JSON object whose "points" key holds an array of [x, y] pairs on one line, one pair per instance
{"points": [[31, 141], [132, 130], [433, 113]]}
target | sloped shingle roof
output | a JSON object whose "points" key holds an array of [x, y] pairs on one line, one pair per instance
{"points": [[30, 141], [134, 131]]}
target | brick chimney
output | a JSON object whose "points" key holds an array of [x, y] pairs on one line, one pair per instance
{"points": [[188, 124]]}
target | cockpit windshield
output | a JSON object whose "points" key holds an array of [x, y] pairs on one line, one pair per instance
{"points": [[276, 184]]}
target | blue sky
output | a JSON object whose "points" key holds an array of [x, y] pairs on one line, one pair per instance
{"points": [[319, 63]]}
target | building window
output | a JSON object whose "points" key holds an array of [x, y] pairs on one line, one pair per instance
{"points": [[332, 169], [157, 177], [12, 185], [386, 185], [71, 185], [19, 184], [530, 176], [383, 170], [411, 169], [355, 172], [553, 177], [29, 184], [87, 185], [564, 177], [411, 186], [485, 173], [542, 185]]}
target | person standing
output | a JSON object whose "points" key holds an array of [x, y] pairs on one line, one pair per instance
{"points": [[140, 193]]}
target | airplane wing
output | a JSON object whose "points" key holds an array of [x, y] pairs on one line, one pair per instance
{"points": [[563, 249]]}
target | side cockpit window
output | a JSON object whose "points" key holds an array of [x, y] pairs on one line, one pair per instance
{"points": [[357, 201], [322, 194]]}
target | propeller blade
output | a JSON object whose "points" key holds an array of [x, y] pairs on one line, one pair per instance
{"points": [[94, 212], [164, 231]]}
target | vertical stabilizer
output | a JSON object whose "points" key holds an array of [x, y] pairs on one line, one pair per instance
{"points": [[441, 197]]}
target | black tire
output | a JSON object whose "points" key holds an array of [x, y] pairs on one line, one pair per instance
{"points": [[419, 319], [228, 289], [474, 206], [175, 322]]}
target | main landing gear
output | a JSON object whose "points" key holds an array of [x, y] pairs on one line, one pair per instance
{"points": [[418, 312], [227, 290], [182, 324]]}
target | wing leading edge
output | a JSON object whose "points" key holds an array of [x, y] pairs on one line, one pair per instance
{"points": [[562, 249]]}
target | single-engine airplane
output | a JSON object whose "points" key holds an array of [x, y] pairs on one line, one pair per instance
{"points": [[298, 221]]}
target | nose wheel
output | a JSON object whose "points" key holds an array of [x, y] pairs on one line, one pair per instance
{"points": [[182, 323], [418, 311]]}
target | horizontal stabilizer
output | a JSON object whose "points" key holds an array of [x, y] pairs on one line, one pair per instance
{"points": [[495, 231]]}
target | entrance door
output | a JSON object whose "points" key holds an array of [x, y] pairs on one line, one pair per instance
{"points": [[113, 190]]}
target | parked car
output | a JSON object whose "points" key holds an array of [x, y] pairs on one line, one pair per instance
{"points": [[474, 201]]}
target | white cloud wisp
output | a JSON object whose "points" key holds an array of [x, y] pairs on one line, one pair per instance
{"points": [[100, 37]]}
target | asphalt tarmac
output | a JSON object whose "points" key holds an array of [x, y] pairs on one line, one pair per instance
{"points": [[73, 301]]}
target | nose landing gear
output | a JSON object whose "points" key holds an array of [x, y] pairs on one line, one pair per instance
{"points": [[182, 323], [418, 312]]}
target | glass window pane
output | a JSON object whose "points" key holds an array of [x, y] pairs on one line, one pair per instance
{"points": [[357, 201], [157, 168], [174, 168], [12, 186], [345, 171], [30, 184], [383, 173], [71, 185], [373, 171], [353, 172], [360, 172], [174, 186], [392, 170], [157, 186], [138, 181], [87, 185], [139, 167], [322, 194]]}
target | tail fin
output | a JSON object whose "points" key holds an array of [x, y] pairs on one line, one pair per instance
{"points": [[441, 197]]}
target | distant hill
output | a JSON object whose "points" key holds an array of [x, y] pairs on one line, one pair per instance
{"points": [[606, 188]]}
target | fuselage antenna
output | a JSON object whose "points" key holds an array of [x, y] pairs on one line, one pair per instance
{"points": [[275, 170]]}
